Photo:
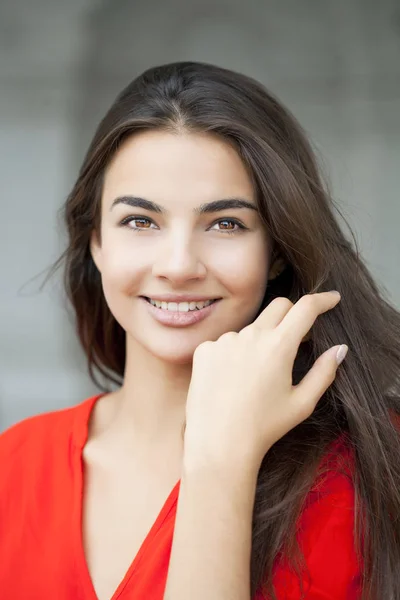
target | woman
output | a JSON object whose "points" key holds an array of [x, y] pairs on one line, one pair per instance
{"points": [[235, 459]]}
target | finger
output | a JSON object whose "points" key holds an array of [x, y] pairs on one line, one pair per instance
{"points": [[318, 379], [273, 314], [299, 320]]}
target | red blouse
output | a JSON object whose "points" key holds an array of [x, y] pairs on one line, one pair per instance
{"points": [[41, 550]]}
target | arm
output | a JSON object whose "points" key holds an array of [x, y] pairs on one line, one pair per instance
{"points": [[210, 556], [240, 402]]}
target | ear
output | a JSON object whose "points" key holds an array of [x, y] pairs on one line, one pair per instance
{"points": [[277, 267], [95, 250]]}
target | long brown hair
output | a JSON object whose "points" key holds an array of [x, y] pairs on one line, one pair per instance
{"points": [[363, 403]]}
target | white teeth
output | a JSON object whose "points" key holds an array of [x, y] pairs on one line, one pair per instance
{"points": [[181, 306]]}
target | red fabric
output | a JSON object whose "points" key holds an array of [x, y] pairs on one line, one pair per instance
{"points": [[41, 552]]}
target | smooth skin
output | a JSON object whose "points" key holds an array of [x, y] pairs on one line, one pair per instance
{"points": [[241, 401]]}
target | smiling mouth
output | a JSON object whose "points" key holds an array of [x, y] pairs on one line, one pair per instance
{"points": [[180, 306]]}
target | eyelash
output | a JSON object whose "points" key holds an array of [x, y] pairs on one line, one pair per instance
{"points": [[125, 223]]}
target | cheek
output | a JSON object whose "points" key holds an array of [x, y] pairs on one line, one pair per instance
{"points": [[121, 269], [243, 269]]}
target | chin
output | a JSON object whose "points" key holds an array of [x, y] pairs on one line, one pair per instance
{"points": [[174, 346], [174, 354]]}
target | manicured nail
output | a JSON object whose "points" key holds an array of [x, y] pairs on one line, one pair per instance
{"points": [[341, 353]]}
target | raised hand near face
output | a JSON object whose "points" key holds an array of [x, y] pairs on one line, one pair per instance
{"points": [[241, 399]]}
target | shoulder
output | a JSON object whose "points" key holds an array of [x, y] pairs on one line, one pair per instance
{"points": [[326, 533], [329, 509], [32, 428], [31, 434], [336, 471]]}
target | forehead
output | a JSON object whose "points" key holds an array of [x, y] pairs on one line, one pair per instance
{"points": [[164, 165]]}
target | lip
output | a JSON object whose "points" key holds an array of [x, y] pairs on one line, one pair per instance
{"points": [[179, 297], [176, 318]]}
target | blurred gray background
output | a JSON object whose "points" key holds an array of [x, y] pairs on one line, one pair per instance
{"points": [[335, 64]]}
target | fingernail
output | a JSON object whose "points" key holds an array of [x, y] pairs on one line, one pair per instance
{"points": [[341, 353], [335, 292]]}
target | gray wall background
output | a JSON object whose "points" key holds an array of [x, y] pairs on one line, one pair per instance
{"points": [[336, 64]]}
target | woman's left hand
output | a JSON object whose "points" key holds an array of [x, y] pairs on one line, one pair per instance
{"points": [[241, 399]]}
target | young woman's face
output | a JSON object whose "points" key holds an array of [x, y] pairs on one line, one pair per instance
{"points": [[180, 246]]}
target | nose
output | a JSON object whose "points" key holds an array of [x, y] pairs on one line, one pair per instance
{"points": [[179, 261]]}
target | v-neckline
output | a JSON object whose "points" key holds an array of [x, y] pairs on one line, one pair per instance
{"points": [[81, 434]]}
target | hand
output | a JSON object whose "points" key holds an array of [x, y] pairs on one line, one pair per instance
{"points": [[241, 399]]}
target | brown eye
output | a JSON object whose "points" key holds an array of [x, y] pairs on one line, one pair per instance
{"points": [[228, 225], [143, 222]]}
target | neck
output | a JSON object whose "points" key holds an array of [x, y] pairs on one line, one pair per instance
{"points": [[148, 411]]}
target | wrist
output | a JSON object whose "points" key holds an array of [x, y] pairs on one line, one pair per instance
{"points": [[238, 485], [227, 464]]}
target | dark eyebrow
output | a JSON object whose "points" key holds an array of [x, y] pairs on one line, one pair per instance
{"points": [[210, 207]]}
